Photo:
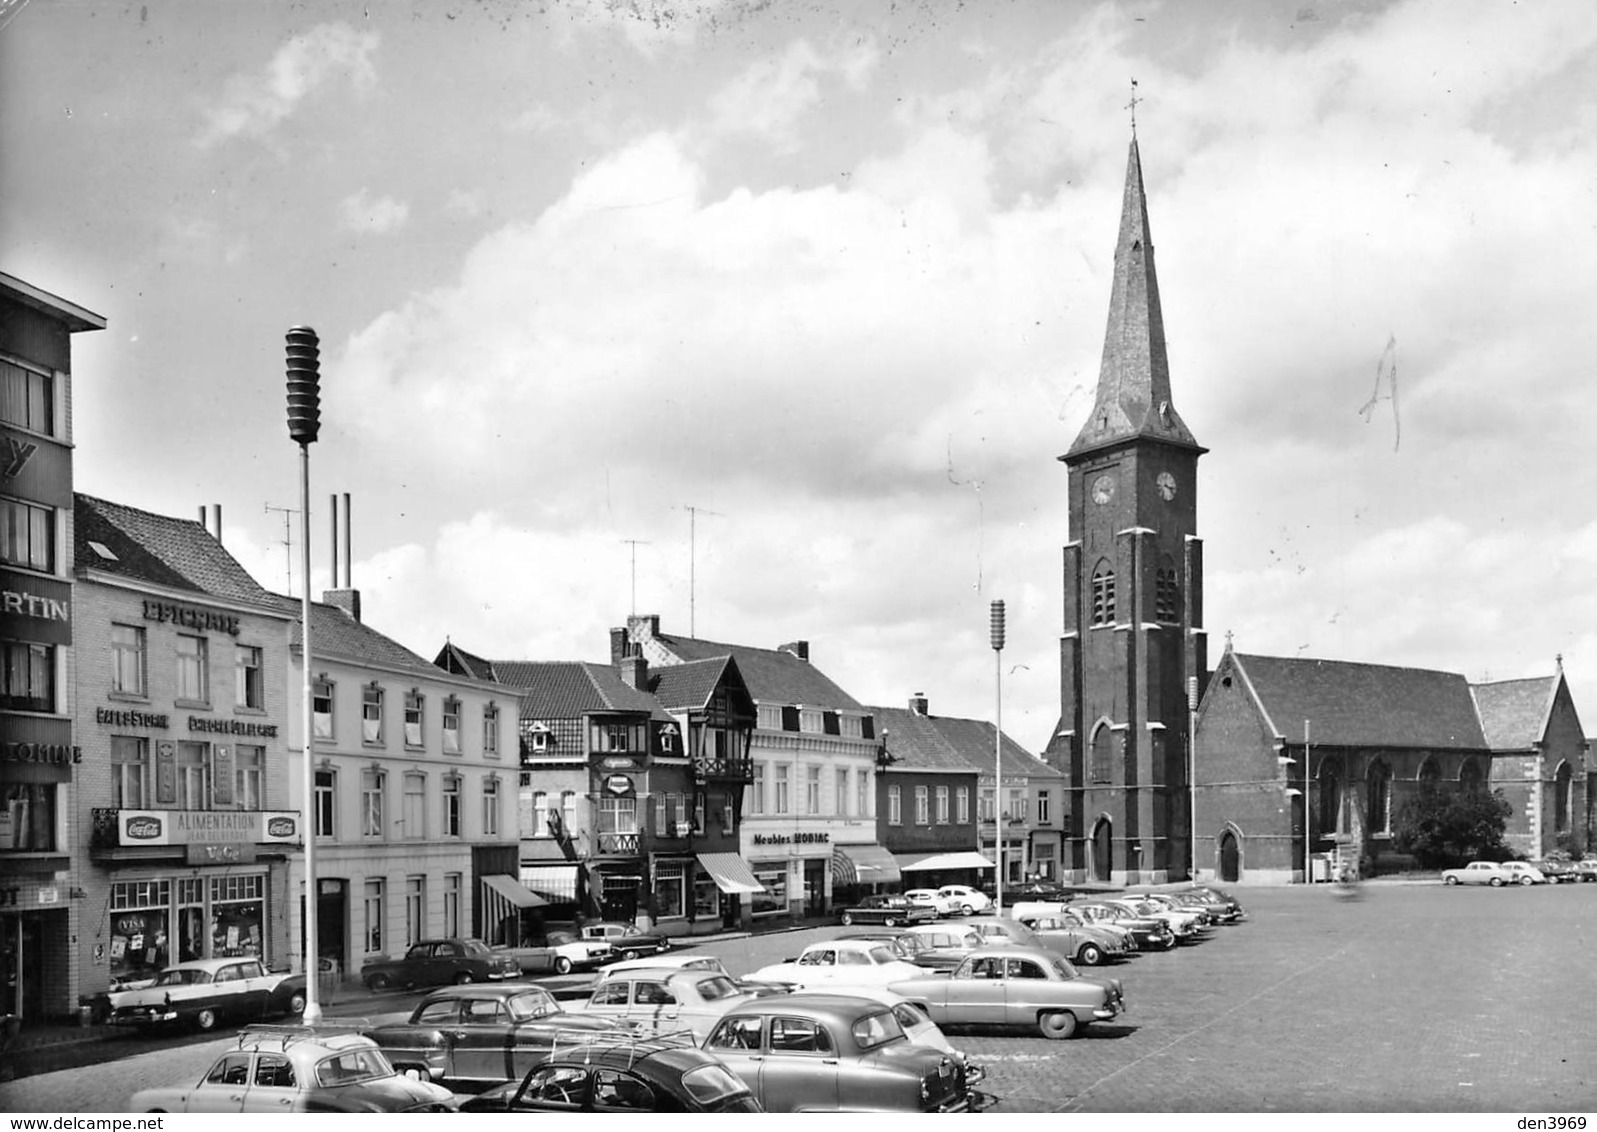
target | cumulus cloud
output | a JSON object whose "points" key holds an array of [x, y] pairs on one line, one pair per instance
{"points": [[256, 104], [361, 212]]}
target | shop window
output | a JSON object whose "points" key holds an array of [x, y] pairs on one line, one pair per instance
{"points": [[237, 915], [374, 906], [27, 816], [27, 535], [137, 913], [490, 807], [414, 806], [490, 731], [127, 660], [773, 898], [670, 892], [326, 813], [130, 772], [249, 765], [706, 896], [193, 684], [895, 806], [451, 726], [415, 705], [27, 397], [28, 680], [371, 714], [250, 690]]}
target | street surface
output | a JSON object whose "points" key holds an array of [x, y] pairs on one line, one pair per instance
{"points": [[1417, 998]]}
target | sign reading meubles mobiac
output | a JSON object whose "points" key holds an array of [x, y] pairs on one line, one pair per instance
{"points": [[189, 827]]}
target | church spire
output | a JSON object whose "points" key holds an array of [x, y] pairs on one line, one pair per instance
{"points": [[1134, 379]]}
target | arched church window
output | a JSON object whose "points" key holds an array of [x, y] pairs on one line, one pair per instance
{"points": [[1330, 797], [1103, 595], [1103, 755], [1429, 771], [1380, 800], [1562, 799], [1469, 777]]}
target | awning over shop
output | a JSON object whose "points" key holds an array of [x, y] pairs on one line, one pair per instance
{"points": [[555, 883], [863, 864], [730, 872], [512, 891], [946, 861]]}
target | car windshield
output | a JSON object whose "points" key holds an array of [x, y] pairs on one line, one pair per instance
{"points": [[880, 955], [877, 1029], [709, 1083], [555, 939], [715, 988], [477, 948], [1062, 967], [531, 1004], [189, 976], [351, 1066]]}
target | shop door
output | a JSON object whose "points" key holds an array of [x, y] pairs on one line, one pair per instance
{"points": [[815, 888], [332, 918], [621, 898]]}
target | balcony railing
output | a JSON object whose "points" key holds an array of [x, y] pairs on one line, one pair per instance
{"points": [[618, 845], [737, 768]]}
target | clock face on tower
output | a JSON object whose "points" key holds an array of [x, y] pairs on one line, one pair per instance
{"points": [[1166, 484], [1103, 489]]}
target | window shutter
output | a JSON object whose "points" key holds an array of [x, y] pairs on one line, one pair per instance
{"points": [[790, 718]]}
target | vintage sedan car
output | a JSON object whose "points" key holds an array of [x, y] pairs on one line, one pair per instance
{"points": [[920, 1029], [1586, 870], [298, 1069], [660, 1075], [835, 1053], [1225, 907], [1079, 941], [433, 962], [691, 962], [1479, 872], [204, 992], [962, 900], [1016, 986], [475, 1036], [1557, 872], [944, 946], [583, 953], [664, 1001], [889, 911], [839, 962], [1201, 915], [1150, 934], [1523, 872], [629, 941], [1188, 926], [924, 897]]}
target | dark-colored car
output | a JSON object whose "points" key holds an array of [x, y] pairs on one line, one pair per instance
{"points": [[1150, 934], [629, 941], [658, 1075], [889, 911], [1557, 872], [433, 962], [476, 1036], [204, 992]]}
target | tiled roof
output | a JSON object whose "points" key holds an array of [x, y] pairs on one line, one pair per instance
{"points": [[914, 741], [689, 685], [456, 659], [173, 553], [1514, 712], [943, 742], [334, 633], [774, 676], [1363, 705], [570, 689]]}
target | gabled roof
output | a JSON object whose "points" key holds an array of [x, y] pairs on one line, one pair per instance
{"points": [[1360, 705], [774, 676], [1514, 713], [178, 554], [914, 742], [335, 634], [689, 686], [943, 742], [453, 658], [571, 689]]}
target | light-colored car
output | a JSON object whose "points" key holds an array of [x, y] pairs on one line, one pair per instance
{"points": [[629, 941], [1479, 872], [1080, 941], [298, 1069], [962, 900], [656, 1001], [581, 953], [689, 962], [924, 897], [839, 963], [204, 992], [919, 1028], [1187, 926], [1016, 986], [1524, 873], [945, 946], [1150, 934]]}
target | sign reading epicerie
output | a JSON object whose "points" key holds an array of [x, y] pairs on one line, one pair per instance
{"points": [[190, 617], [185, 827]]}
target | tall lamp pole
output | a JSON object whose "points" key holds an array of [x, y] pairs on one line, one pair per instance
{"points": [[1192, 775], [304, 420], [998, 754]]}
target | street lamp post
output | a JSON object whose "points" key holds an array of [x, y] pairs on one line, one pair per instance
{"points": [[998, 755], [304, 420]]}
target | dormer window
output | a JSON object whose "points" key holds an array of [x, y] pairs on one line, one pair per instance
{"points": [[668, 739], [536, 738]]}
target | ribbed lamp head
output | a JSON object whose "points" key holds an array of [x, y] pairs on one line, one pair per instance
{"points": [[998, 624], [304, 385]]}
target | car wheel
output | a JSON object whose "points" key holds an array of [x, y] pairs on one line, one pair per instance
{"points": [[1090, 955], [1449, 880], [629, 953], [205, 1019], [1057, 1025], [462, 978], [848, 919], [890, 922], [379, 983], [967, 910], [1497, 882], [296, 1002], [562, 965], [1527, 880]]}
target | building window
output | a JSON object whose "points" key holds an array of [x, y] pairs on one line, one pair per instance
{"points": [[130, 773], [451, 806], [1103, 595], [1103, 755], [193, 684], [415, 702], [1563, 799], [985, 804], [451, 726], [490, 807], [1043, 807], [127, 660], [1166, 593], [962, 805], [568, 811], [371, 802], [326, 813], [923, 812], [27, 535], [27, 398], [30, 811], [895, 806], [812, 790], [783, 803], [415, 909], [322, 709], [374, 916], [757, 791], [1469, 777], [490, 731], [618, 813], [1016, 810], [414, 803], [862, 791], [942, 805], [371, 714], [843, 796], [670, 893], [851, 726], [810, 719], [250, 691], [29, 676], [249, 766], [452, 905], [1380, 798], [769, 717], [617, 737], [193, 776], [538, 823]]}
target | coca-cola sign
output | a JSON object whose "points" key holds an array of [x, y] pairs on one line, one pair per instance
{"points": [[143, 829], [280, 827]]}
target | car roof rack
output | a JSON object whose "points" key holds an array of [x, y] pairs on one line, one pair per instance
{"points": [[289, 1033], [587, 1044]]}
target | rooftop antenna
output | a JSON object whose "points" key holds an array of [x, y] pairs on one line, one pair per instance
{"points": [[1132, 106], [288, 544], [693, 515], [634, 543]]}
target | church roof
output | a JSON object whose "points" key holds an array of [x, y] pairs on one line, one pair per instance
{"points": [[1133, 399], [1361, 705], [1514, 713]]}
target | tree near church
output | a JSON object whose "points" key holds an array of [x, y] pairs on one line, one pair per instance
{"points": [[1442, 828]]}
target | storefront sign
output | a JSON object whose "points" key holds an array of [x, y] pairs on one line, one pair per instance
{"points": [[232, 727], [189, 617], [23, 603], [54, 754], [617, 762], [111, 717], [15, 453], [206, 827], [35, 609], [223, 854], [618, 784], [817, 838]]}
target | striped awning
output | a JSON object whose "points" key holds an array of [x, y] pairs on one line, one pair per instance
{"points": [[947, 861], [730, 872], [863, 864], [509, 889], [555, 883]]}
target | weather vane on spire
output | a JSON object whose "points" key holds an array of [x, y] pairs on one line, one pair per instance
{"points": [[1132, 106]]}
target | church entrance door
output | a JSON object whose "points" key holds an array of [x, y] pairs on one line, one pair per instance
{"points": [[1103, 852], [1230, 857]]}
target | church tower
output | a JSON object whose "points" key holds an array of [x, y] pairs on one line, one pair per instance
{"points": [[1133, 646]]}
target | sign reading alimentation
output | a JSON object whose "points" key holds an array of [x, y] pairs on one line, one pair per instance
{"points": [[208, 827]]}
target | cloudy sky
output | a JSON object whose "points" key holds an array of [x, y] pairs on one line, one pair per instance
{"points": [[835, 276]]}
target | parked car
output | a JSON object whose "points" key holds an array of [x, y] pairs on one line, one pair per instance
{"points": [[583, 953], [298, 1069], [656, 1001], [835, 1053], [923, 897], [1079, 941], [1202, 917], [1523, 872], [653, 1076], [904, 945], [887, 910], [920, 1029], [629, 941], [1557, 872], [944, 945], [961, 900], [1226, 908], [690, 962], [204, 992], [474, 1036], [1016, 986], [1187, 926], [432, 962], [1587, 869], [1478, 872], [1151, 934], [839, 962]]}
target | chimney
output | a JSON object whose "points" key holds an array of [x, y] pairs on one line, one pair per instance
{"points": [[618, 646], [918, 704], [643, 627], [635, 673], [213, 523], [347, 600], [800, 649], [345, 597]]}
